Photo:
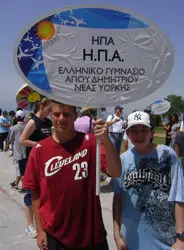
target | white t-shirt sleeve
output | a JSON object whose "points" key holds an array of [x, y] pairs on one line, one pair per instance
{"points": [[116, 183], [109, 118], [181, 126]]}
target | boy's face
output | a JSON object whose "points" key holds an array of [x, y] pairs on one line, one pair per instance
{"points": [[140, 135], [63, 117]]}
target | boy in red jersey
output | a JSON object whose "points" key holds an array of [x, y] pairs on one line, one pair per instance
{"points": [[61, 172]]}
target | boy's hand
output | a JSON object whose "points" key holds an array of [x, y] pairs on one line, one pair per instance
{"points": [[42, 240], [101, 130], [178, 245], [120, 243]]}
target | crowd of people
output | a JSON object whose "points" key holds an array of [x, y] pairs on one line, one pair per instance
{"points": [[56, 163], [174, 135]]}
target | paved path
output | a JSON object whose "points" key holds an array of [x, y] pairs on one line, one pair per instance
{"points": [[159, 135], [12, 220]]}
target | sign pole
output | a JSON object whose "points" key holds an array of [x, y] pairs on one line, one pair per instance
{"points": [[162, 120], [98, 159]]}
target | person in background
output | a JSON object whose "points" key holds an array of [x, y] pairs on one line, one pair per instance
{"points": [[115, 124], [148, 204], [19, 150], [179, 147], [61, 173], [4, 128], [167, 128], [127, 142], [14, 122], [1, 144], [174, 128], [104, 114], [84, 123], [12, 117], [182, 123], [19, 108], [36, 129]]}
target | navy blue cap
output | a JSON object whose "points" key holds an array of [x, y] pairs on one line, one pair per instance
{"points": [[118, 107]]}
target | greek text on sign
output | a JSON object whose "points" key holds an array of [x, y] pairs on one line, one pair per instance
{"points": [[94, 56]]}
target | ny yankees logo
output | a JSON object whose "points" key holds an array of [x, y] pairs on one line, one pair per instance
{"points": [[137, 117]]}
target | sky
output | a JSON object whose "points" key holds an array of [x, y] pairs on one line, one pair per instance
{"points": [[17, 15]]}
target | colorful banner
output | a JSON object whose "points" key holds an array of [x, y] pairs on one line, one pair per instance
{"points": [[94, 56], [26, 97]]}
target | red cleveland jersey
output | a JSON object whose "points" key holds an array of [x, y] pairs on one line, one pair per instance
{"points": [[66, 177]]}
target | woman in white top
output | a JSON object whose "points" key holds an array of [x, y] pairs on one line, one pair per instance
{"points": [[174, 129]]}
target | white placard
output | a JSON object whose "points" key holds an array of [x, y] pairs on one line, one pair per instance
{"points": [[94, 56], [160, 107]]}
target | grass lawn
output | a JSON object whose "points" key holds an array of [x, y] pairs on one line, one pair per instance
{"points": [[159, 140], [159, 130]]}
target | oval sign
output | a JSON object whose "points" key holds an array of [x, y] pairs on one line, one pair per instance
{"points": [[160, 107], [94, 56]]}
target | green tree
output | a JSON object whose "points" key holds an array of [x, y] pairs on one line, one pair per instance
{"points": [[177, 104]]}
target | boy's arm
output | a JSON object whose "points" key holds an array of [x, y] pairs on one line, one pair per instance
{"points": [[177, 149], [116, 214], [112, 157], [179, 215], [120, 243], [41, 234]]}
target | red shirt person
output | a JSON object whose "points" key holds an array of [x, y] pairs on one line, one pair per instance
{"points": [[61, 173]]}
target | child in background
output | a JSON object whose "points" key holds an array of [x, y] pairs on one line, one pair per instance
{"points": [[179, 147], [19, 150]]}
